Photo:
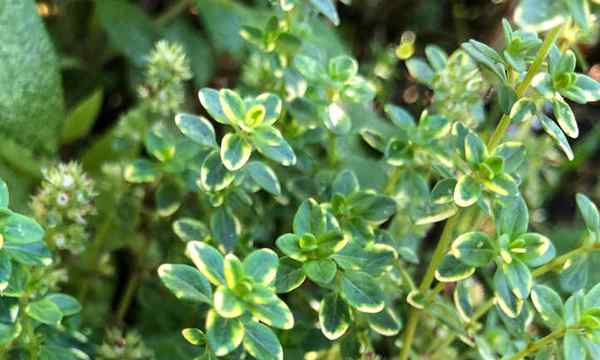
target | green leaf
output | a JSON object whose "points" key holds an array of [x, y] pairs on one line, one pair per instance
{"points": [[208, 260], [210, 100], [487, 57], [573, 346], [67, 304], [505, 297], [473, 249], [361, 291], [574, 275], [523, 111], [4, 196], [185, 282], [334, 316], [194, 336], [467, 191], [264, 176], [275, 314], [539, 15], [233, 106], [589, 212], [565, 117], [261, 342], [513, 218], [129, 29], [23, 240], [320, 271], [342, 68], [235, 151], [556, 134], [289, 244], [44, 311], [336, 119], [400, 117], [226, 228], [345, 183], [31, 94], [141, 171], [533, 249], [214, 176], [373, 207], [5, 270], [224, 335], [308, 67], [462, 297], [585, 89], [327, 8], [549, 305], [270, 143], [386, 322], [189, 229], [451, 269], [475, 150], [167, 198], [420, 70], [227, 304], [289, 275], [580, 11], [197, 128], [80, 120], [436, 56], [262, 265], [513, 153], [518, 277]]}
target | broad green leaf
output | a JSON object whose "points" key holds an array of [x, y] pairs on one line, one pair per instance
{"points": [[420, 70], [533, 249], [189, 229], [475, 150], [31, 94], [513, 153], [235, 151], [487, 57], [208, 260], [335, 316], [399, 116], [574, 275], [336, 119], [214, 176], [224, 335], [386, 322], [270, 143], [327, 8], [379, 259], [272, 105], [345, 183], [416, 299], [44, 311], [518, 277], [361, 291], [275, 314], [556, 134], [185, 282], [233, 270], [80, 120], [197, 128], [592, 298], [342, 68], [585, 89], [373, 207], [225, 227], [539, 15], [141, 171], [505, 297], [308, 67], [210, 100], [523, 111], [5, 270], [473, 249], [320, 271], [580, 11], [513, 218], [227, 304], [222, 21], [129, 29], [549, 305], [67, 304], [261, 342], [589, 212], [168, 198], [23, 240], [565, 117], [289, 275], [467, 191], [503, 185], [4, 196], [262, 265], [264, 176], [451, 269], [462, 297]]}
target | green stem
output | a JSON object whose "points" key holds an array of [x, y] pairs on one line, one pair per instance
{"points": [[332, 150], [172, 12], [524, 85], [438, 255], [533, 347]]}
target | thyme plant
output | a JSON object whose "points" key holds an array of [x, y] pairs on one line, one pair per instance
{"points": [[284, 201]]}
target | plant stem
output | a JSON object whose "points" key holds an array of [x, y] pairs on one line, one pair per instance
{"points": [[172, 12], [524, 85], [438, 255], [533, 347]]}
